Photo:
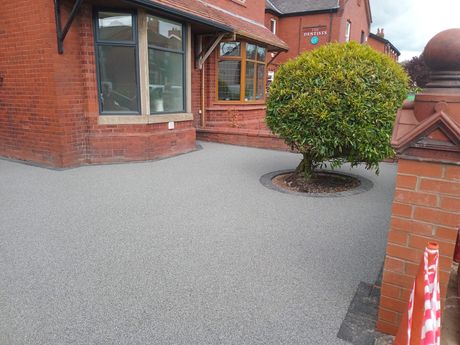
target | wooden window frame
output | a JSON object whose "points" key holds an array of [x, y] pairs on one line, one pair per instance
{"points": [[243, 60]]}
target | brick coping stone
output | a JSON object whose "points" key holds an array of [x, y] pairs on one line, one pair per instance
{"points": [[364, 186]]}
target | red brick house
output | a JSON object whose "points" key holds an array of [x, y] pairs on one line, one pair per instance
{"points": [[97, 81], [379, 43]]}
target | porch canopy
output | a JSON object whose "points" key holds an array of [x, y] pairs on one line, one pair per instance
{"points": [[211, 17]]}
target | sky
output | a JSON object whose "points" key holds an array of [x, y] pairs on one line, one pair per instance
{"points": [[410, 24]]}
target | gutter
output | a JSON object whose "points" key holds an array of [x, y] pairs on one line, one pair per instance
{"points": [[294, 14]]}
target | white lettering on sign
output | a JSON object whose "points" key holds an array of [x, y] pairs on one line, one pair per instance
{"points": [[315, 33], [320, 30]]}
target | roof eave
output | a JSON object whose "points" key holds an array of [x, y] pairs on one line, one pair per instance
{"points": [[384, 40], [183, 14], [302, 13]]}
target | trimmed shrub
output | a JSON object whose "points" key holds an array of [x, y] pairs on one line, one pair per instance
{"points": [[337, 103]]}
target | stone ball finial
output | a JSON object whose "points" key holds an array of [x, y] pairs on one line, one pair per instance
{"points": [[442, 53]]}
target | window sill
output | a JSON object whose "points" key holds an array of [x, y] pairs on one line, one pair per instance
{"points": [[142, 119], [239, 106]]}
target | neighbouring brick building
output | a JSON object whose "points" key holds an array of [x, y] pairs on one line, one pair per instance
{"points": [[306, 25], [381, 44]]}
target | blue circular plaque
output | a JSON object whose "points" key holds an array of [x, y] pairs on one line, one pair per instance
{"points": [[314, 40]]}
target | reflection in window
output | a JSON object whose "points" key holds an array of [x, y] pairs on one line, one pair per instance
{"points": [[117, 71], [249, 91], [165, 81], [117, 63], [229, 80], [166, 65], [251, 51], [261, 54], [230, 49], [260, 91], [114, 26], [164, 33]]}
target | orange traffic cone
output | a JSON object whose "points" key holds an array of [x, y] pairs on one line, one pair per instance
{"points": [[420, 323]]}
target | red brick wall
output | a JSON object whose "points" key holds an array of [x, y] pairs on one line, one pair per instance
{"points": [[253, 9], [290, 31], [426, 208], [29, 127], [49, 109], [356, 12]]}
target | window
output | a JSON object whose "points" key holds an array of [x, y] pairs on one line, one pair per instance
{"points": [[363, 36], [116, 49], [166, 65], [348, 31], [241, 72], [119, 53], [273, 25]]}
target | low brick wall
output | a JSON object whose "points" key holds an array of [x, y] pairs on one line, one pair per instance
{"points": [[251, 138]]}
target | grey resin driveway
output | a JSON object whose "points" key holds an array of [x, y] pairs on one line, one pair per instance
{"points": [[187, 250]]}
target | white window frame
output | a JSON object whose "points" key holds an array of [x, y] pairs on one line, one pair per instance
{"points": [[348, 31], [273, 23]]}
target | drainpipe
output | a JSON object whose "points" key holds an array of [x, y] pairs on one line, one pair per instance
{"points": [[203, 117], [330, 26], [201, 59]]}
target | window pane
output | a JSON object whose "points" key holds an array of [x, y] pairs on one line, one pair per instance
{"points": [[114, 26], [260, 91], [261, 53], [166, 81], [249, 90], [117, 74], [229, 80], [230, 49], [164, 33], [251, 51]]}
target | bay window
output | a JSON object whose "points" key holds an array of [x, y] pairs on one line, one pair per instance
{"points": [[241, 72], [125, 85], [116, 49]]}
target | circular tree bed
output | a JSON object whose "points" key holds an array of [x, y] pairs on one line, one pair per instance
{"points": [[321, 182], [324, 184]]}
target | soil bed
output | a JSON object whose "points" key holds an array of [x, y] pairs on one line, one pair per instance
{"points": [[322, 182]]}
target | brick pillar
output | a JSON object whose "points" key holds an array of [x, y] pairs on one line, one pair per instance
{"points": [[426, 204]]}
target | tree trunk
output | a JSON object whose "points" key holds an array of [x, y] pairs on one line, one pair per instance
{"points": [[305, 168]]}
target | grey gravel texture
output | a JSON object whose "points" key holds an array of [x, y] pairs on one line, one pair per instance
{"points": [[187, 250]]}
